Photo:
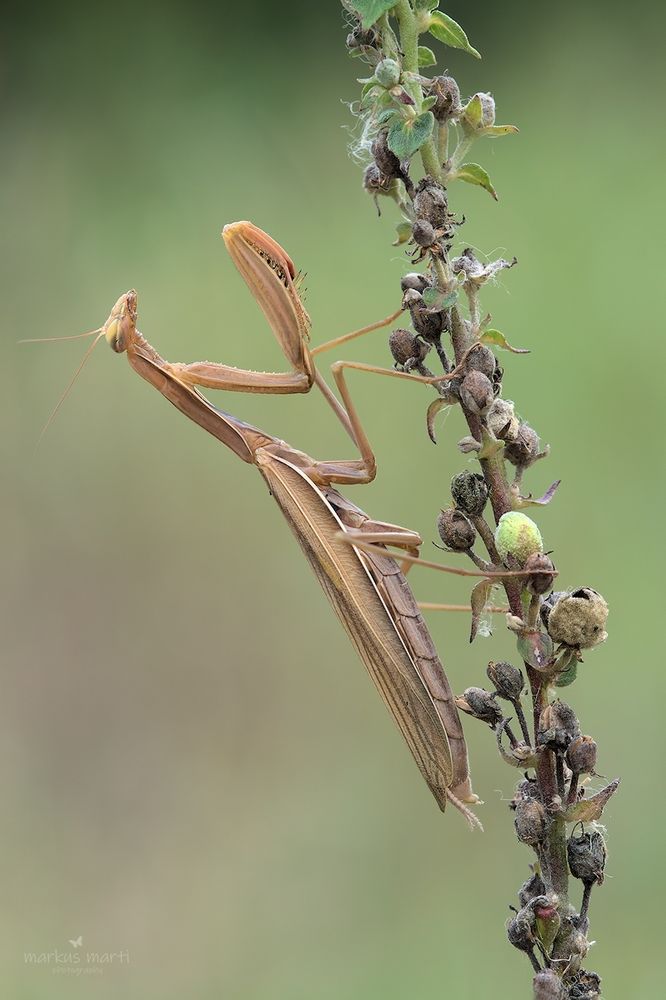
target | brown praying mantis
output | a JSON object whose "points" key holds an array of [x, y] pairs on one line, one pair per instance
{"points": [[364, 584]]}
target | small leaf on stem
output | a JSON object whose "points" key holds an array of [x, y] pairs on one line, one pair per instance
{"points": [[371, 10], [590, 810], [499, 340], [478, 600], [435, 407], [406, 137], [473, 173], [426, 56], [448, 31]]}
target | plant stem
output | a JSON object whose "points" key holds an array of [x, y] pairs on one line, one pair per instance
{"points": [[409, 43]]}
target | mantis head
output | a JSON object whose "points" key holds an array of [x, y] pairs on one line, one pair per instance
{"points": [[271, 276], [120, 327]]}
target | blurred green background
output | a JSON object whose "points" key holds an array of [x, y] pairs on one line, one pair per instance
{"points": [[195, 767]]}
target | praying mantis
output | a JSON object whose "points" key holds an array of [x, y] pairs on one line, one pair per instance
{"points": [[364, 584]]}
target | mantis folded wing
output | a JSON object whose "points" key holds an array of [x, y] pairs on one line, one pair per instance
{"points": [[363, 582]]}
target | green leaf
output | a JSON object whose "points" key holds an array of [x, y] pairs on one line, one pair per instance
{"points": [[446, 30], [590, 810], [499, 340], [536, 649], [428, 103], [426, 56], [473, 112], [473, 173], [437, 300], [567, 676], [404, 231], [500, 130], [426, 4], [371, 10], [386, 117], [406, 137]]}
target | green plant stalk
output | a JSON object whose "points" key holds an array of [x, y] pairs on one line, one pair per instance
{"points": [[409, 43]]}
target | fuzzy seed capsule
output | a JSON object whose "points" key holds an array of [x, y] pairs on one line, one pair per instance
{"points": [[587, 857], [529, 890], [508, 680], [447, 93], [541, 568], [502, 421], [481, 359], [530, 822], [430, 203], [374, 181], [585, 986], [582, 755], [547, 985], [481, 704], [405, 347], [414, 281], [524, 448], [520, 929], [476, 393], [517, 535], [423, 233], [558, 726], [470, 493], [428, 325], [455, 530], [385, 159], [578, 619]]}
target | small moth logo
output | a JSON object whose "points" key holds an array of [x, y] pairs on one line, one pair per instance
{"points": [[78, 942]]}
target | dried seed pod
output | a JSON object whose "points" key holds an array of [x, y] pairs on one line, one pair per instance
{"points": [[520, 929], [360, 38], [428, 325], [530, 822], [502, 420], [470, 493], [582, 755], [481, 705], [549, 603], [527, 790], [517, 535], [385, 159], [481, 359], [529, 890], [375, 182], [508, 680], [431, 204], [558, 726], [447, 94], [456, 532], [423, 233], [585, 986], [414, 281], [405, 347], [587, 857], [578, 619], [476, 393], [540, 567], [547, 985], [524, 449]]}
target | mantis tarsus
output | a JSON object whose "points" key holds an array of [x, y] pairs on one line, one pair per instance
{"points": [[363, 582]]}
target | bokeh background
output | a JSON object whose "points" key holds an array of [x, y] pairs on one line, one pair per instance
{"points": [[195, 767]]}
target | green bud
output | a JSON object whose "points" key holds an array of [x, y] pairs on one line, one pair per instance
{"points": [[517, 535], [387, 73]]}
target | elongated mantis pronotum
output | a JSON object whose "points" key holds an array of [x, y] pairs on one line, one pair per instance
{"points": [[345, 548]]}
